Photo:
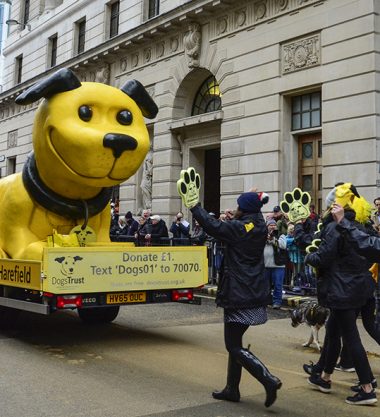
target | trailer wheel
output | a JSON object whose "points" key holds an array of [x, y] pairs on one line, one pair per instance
{"points": [[98, 315], [8, 317]]}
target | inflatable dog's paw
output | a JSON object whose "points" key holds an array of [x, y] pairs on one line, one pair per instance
{"points": [[314, 246], [188, 187], [296, 205]]}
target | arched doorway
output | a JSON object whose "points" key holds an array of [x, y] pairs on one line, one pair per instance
{"points": [[198, 132]]}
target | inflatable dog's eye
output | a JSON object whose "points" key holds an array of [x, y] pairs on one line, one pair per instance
{"points": [[124, 117], [85, 113]]}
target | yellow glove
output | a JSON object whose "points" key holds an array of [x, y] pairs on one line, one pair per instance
{"points": [[188, 187]]}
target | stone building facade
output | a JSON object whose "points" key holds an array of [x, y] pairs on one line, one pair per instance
{"points": [[268, 93]]}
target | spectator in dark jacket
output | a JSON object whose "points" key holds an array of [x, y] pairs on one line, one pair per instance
{"points": [[243, 291], [156, 230], [180, 229], [131, 225], [345, 285]]}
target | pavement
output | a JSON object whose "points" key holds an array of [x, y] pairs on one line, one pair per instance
{"points": [[289, 299]]}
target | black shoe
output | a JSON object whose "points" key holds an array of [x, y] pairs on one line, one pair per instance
{"points": [[358, 387], [227, 395], [362, 398], [311, 369], [317, 382]]}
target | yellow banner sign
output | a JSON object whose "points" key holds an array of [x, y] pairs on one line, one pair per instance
{"points": [[115, 269], [21, 274]]}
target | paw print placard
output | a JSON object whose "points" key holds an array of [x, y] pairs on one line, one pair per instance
{"points": [[188, 187], [314, 246], [296, 205]]}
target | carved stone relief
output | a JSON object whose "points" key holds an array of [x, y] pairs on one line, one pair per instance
{"points": [[192, 43], [222, 25], [260, 10], [240, 18], [301, 53], [123, 64], [160, 49], [103, 74], [12, 139]]}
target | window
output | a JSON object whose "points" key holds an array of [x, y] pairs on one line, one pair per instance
{"points": [[18, 69], [25, 17], [114, 18], [208, 98], [81, 33], [306, 111], [52, 51], [154, 8]]}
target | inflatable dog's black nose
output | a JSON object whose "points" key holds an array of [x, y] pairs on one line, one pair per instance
{"points": [[119, 143]]}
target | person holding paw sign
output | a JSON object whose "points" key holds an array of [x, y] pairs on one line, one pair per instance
{"points": [[243, 291]]}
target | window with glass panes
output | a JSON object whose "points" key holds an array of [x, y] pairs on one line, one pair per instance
{"points": [[306, 111], [154, 8], [18, 69], [208, 97], [53, 42], [114, 19], [26, 11], [81, 35]]}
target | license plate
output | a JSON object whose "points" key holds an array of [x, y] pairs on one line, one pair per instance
{"points": [[126, 297]]}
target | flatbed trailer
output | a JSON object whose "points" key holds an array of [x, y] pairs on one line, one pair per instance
{"points": [[99, 278]]}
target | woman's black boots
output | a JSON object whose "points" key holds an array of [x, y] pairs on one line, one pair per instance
{"points": [[258, 370], [231, 390]]}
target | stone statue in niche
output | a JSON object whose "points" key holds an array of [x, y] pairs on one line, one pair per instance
{"points": [[146, 181], [192, 43]]}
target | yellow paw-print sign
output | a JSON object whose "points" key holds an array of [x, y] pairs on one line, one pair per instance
{"points": [[314, 246], [188, 187], [296, 205]]}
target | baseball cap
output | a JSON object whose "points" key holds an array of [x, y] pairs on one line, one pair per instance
{"points": [[155, 217], [276, 209]]}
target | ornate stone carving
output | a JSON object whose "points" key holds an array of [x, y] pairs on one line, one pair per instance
{"points": [[148, 54], [240, 17], [222, 25], [123, 64], [103, 74], [174, 43], [160, 49], [12, 139], [146, 181], [281, 5], [260, 10], [135, 60], [192, 43], [301, 53]]}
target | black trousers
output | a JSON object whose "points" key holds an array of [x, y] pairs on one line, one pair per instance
{"points": [[342, 323]]}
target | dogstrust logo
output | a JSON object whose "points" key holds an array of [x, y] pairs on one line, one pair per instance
{"points": [[68, 266]]}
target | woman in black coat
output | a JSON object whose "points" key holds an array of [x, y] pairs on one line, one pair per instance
{"points": [[344, 285], [243, 291]]}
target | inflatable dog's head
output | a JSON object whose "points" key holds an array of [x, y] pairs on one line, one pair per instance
{"points": [[89, 133]]}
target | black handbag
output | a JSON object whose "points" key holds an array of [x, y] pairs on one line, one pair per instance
{"points": [[281, 256]]}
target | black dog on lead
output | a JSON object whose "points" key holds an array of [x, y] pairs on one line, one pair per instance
{"points": [[314, 315]]}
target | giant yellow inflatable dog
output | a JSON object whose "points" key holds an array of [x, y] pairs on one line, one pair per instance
{"points": [[87, 137]]}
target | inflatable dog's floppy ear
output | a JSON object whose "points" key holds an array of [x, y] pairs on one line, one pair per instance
{"points": [[137, 92], [62, 80]]}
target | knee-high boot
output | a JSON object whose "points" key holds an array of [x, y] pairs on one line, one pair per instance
{"points": [[258, 370], [231, 390]]}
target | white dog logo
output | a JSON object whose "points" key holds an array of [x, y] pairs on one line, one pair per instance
{"points": [[68, 264]]}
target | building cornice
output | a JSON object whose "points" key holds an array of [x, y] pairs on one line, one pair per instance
{"points": [[228, 16]]}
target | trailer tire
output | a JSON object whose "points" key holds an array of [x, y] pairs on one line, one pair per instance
{"points": [[98, 315], [8, 317]]}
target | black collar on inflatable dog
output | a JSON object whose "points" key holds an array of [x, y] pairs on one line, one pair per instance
{"points": [[66, 207]]}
